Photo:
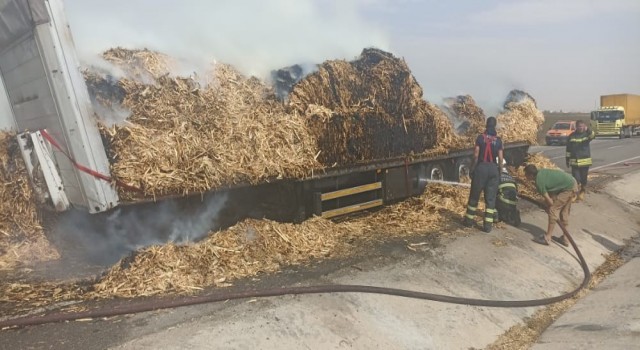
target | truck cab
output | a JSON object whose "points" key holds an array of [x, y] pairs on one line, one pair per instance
{"points": [[608, 121], [559, 132]]}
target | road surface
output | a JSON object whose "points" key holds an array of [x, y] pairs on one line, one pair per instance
{"points": [[609, 155]]}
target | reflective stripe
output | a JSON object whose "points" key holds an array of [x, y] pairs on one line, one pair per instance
{"points": [[490, 211], [581, 139], [470, 216], [506, 184], [488, 219], [580, 162], [471, 208], [508, 201]]}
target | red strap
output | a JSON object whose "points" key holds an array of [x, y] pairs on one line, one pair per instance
{"points": [[83, 168], [488, 152]]}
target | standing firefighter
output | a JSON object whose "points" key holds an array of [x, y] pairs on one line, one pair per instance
{"points": [[507, 202], [579, 155], [485, 175]]}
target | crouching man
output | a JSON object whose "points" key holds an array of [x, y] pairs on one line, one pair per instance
{"points": [[507, 203], [558, 189]]}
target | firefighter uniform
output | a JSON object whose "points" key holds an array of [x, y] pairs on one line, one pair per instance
{"points": [[486, 178], [579, 157], [507, 202]]}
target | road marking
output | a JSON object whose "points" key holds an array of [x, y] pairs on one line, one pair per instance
{"points": [[610, 164], [612, 147]]}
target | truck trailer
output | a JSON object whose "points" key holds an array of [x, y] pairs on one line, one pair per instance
{"points": [[618, 115], [62, 147]]}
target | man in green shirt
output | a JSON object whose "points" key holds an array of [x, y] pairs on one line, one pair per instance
{"points": [[558, 189]]}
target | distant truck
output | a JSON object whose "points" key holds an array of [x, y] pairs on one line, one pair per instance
{"points": [[618, 115]]}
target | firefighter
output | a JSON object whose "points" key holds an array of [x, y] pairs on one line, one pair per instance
{"points": [[579, 155], [507, 201], [485, 175]]}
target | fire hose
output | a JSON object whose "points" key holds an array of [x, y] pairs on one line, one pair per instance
{"points": [[146, 306]]}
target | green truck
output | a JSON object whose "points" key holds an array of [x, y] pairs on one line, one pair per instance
{"points": [[618, 115]]}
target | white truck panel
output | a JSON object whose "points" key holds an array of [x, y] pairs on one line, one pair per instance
{"points": [[7, 122], [47, 91]]}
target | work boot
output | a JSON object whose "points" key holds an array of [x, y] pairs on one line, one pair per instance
{"points": [[581, 195], [467, 222], [486, 227]]}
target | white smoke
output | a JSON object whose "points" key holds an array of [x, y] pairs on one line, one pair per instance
{"points": [[255, 36], [105, 238]]}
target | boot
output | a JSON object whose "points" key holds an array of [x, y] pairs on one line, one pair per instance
{"points": [[581, 194], [467, 222], [486, 227], [576, 197]]}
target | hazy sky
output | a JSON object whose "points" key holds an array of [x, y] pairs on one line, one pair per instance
{"points": [[564, 52]]}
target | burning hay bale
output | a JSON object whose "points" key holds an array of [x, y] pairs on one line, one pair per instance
{"points": [[22, 239], [144, 66], [186, 138], [521, 119], [370, 108], [467, 117]]}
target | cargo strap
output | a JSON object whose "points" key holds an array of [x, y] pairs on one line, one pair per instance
{"points": [[83, 168]]}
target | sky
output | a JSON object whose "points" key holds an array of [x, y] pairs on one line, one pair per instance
{"points": [[565, 53]]}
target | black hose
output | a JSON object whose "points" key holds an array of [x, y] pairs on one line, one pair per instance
{"points": [[223, 296]]}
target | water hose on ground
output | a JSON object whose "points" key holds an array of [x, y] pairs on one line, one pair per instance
{"points": [[152, 305]]}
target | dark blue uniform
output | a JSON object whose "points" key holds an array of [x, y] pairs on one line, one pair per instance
{"points": [[506, 205], [486, 178]]}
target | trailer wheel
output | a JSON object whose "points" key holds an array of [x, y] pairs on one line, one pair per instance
{"points": [[435, 171], [462, 169]]}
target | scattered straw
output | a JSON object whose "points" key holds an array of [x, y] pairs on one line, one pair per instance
{"points": [[22, 239]]}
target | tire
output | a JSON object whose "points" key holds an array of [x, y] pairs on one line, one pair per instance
{"points": [[435, 172], [462, 168]]}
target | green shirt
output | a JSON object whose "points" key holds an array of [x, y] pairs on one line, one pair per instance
{"points": [[553, 181]]}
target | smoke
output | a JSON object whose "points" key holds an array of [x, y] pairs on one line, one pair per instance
{"points": [[253, 35], [105, 238]]}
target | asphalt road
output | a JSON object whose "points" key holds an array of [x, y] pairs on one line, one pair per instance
{"points": [[609, 155]]}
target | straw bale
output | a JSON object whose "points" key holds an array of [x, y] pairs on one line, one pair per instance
{"points": [[22, 239], [186, 138], [140, 65], [521, 119], [468, 118], [376, 109]]}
